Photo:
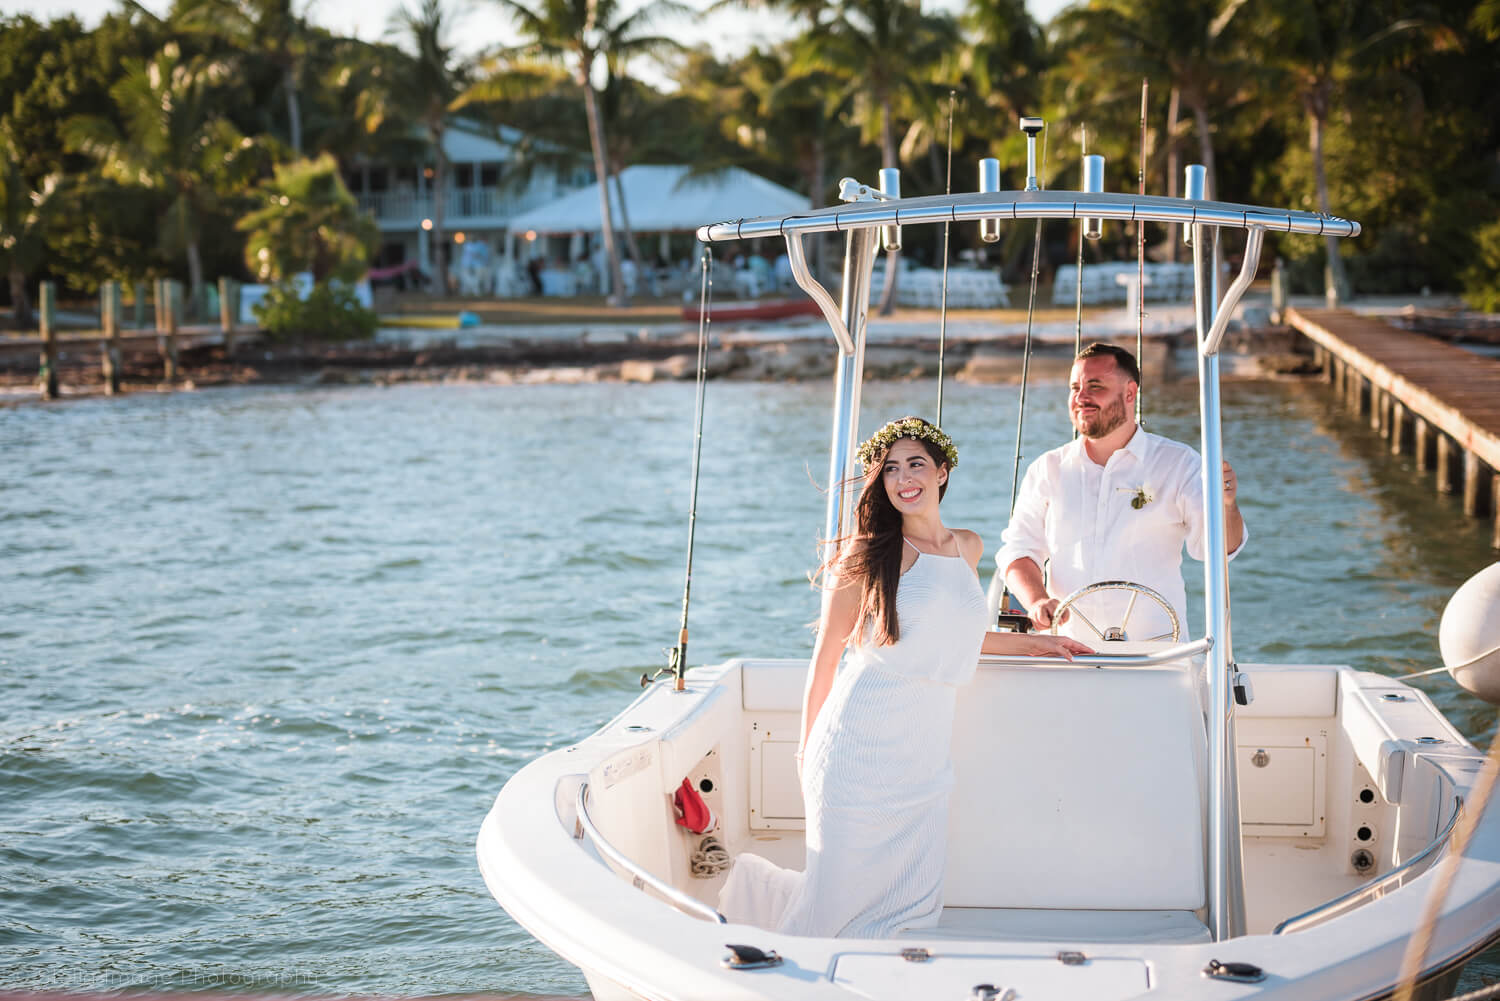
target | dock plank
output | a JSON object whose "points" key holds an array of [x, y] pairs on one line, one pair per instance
{"points": [[1455, 390]]}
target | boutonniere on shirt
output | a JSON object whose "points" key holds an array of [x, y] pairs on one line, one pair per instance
{"points": [[1139, 496]]}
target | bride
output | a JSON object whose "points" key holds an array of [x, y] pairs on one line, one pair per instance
{"points": [[902, 595]]}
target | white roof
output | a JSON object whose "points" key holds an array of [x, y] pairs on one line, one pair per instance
{"points": [[665, 199]]}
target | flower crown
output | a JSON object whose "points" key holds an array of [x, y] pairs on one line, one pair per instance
{"points": [[905, 427]]}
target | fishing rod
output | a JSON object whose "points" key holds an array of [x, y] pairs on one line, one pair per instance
{"points": [[1031, 126], [943, 306], [677, 659], [1140, 259]]}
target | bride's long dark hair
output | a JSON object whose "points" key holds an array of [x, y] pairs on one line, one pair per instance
{"points": [[871, 554]]}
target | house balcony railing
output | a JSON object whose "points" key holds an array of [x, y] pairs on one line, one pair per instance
{"points": [[464, 206]]}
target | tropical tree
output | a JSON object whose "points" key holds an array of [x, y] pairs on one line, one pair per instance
{"points": [[428, 87], [1194, 47], [1322, 54], [791, 123], [175, 143], [272, 31], [581, 35], [1005, 57], [25, 209], [888, 55], [308, 221]]}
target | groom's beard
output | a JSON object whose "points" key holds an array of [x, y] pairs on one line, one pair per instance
{"points": [[1109, 417]]}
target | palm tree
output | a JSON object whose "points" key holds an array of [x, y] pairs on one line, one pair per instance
{"points": [[578, 34], [175, 143], [1190, 45], [308, 221], [433, 81], [270, 29], [790, 119], [1319, 52], [24, 210], [888, 54], [1004, 58]]}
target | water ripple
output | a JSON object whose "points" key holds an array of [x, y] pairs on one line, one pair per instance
{"points": [[258, 698]]}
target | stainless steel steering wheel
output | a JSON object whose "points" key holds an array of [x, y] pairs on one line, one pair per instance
{"points": [[1116, 633]]}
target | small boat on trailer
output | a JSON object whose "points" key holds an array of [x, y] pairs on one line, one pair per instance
{"points": [[1157, 821]]}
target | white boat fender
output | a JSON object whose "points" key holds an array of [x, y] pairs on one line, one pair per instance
{"points": [[1469, 634]]}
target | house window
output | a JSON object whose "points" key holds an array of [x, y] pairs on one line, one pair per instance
{"points": [[378, 178], [489, 175], [463, 175]]}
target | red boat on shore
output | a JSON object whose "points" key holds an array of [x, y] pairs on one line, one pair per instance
{"points": [[768, 309]]}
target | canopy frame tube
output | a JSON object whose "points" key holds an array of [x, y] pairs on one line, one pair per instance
{"points": [[859, 261]]}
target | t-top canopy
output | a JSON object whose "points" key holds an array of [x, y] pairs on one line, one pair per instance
{"points": [[973, 206]]}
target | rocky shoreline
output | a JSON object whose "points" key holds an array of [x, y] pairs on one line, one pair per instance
{"points": [[642, 356]]}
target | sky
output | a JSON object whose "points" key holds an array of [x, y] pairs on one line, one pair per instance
{"points": [[729, 32]]}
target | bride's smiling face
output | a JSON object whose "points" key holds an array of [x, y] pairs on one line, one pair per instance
{"points": [[912, 479]]}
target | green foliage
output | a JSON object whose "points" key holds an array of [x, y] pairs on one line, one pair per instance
{"points": [[308, 222], [1482, 277], [329, 313]]}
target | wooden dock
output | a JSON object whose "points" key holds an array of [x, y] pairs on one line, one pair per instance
{"points": [[1436, 401], [169, 335]]}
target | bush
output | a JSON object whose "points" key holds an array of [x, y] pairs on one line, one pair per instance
{"points": [[1482, 277], [329, 313]]}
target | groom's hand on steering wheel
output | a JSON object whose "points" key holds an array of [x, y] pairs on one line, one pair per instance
{"points": [[1041, 613]]}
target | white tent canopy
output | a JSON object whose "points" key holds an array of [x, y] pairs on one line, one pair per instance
{"points": [[664, 199]]}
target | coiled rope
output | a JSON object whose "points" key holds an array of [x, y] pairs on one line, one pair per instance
{"points": [[709, 859]]}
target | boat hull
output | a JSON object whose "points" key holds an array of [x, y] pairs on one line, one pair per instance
{"points": [[631, 942]]}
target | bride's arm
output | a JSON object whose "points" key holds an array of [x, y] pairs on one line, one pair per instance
{"points": [[1032, 645], [835, 626]]}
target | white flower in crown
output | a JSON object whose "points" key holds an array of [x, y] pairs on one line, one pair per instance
{"points": [[1139, 496]]}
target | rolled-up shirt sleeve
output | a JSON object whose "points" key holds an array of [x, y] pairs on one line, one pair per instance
{"points": [[1026, 534], [1191, 500]]}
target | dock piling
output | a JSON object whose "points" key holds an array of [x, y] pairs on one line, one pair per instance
{"points": [[1399, 426], [228, 307], [168, 310], [47, 370], [1447, 464], [109, 320], [1476, 486], [1495, 504]]}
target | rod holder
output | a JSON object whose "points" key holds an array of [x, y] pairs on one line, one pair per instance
{"points": [[1032, 126], [890, 186], [1093, 183], [989, 184], [1197, 182]]}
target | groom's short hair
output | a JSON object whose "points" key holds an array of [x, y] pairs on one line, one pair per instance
{"points": [[1122, 358]]}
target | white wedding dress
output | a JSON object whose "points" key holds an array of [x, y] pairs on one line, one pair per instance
{"points": [[876, 774]]}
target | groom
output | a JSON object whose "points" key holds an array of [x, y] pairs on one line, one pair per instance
{"points": [[1118, 503]]}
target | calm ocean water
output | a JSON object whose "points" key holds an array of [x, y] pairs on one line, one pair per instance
{"points": [[267, 654]]}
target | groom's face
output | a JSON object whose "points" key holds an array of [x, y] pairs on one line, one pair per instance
{"points": [[1100, 397]]}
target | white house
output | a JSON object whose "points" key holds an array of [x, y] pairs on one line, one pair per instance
{"points": [[479, 202]]}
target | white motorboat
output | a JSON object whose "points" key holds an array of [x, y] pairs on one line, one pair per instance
{"points": [[1154, 822]]}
